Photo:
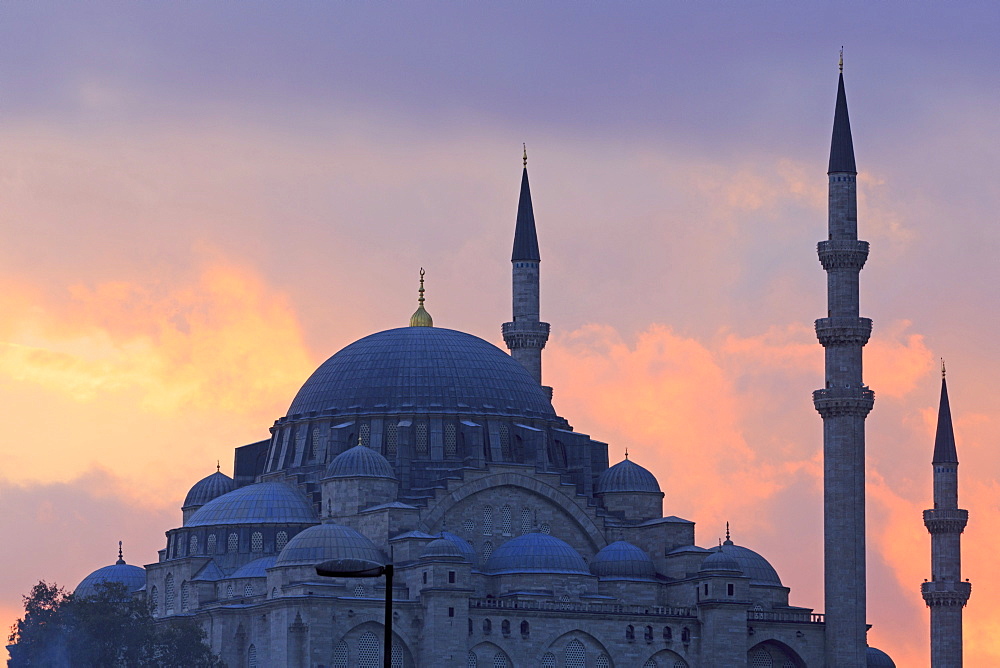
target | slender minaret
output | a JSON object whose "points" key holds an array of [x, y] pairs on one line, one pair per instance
{"points": [[526, 335], [844, 404], [946, 594]]}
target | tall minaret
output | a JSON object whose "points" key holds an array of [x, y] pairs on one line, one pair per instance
{"points": [[946, 594], [844, 404], [526, 335]]}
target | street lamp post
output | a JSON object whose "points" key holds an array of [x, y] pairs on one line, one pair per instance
{"points": [[362, 568]]}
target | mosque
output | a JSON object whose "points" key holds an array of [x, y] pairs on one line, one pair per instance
{"points": [[513, 541]]}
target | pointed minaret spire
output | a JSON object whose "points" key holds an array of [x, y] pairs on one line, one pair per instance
{"points": [[526, 335], [843, 403], [946, 594]]}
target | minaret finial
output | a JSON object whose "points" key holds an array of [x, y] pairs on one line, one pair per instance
{"points": [[218, 465], [420, 317], [942, 368], [120, 559], [525, 154], [626, 453], [729, 541], [841, 60]]}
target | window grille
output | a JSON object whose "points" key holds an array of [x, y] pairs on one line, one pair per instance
{"points": [[761, 659], [366, 435], [313, 442], [500, 661], [650, 664], [549, 660], [184, 596], [449, 440], [252, 657], [681, 664], [280, 540], [469, 526], [545, 528], [505, 520], [525, 521], [397, 657], [359, 591], [340, 655], [154, 596], [488, 521], [603, 661], [368, 651], [391, 439], [487, 551], [472, 661], [210, 544], [194, 545], [421, 439], [168, 594], [256, 542], [229, 590], [576, 655], [247, 590], [234, 543], [505, 442]]}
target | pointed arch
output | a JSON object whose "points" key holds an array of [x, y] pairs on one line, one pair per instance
{"points": [[778, 653], [666, 658]]}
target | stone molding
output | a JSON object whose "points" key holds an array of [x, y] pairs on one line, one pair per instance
{"points": [[844, 401], [946, 594], [521, 334], [941, 520], [842, 254], [843, 331]]}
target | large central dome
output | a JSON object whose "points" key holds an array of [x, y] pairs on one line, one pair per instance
{"points": [[422, 369]]}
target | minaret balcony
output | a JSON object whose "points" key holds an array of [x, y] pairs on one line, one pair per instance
{"points": [[946, 593], [946, 520], [525, 334], [843, 331], [842, 254], [844, 401]]}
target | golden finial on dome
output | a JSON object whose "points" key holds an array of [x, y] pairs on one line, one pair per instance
{"points": [[525, 154], [420, 317]]}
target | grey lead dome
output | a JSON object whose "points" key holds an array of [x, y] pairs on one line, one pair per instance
{"points": [[263, 503], [626, 476], [360, 462], [421, 370]]}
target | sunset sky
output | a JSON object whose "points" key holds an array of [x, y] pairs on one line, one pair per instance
{"points": [[200, 202]]}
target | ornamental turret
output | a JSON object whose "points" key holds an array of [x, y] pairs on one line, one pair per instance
{"points": [[843, 403], [526, 335], [946, 594]]}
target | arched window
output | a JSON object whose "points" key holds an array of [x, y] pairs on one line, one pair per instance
{"points": [[629, 632], [525, 521], [168, 594], [396, 657], [229, 590], [575, 655], [210, 544], [648, 635], [449, 440], [340, 655], [504, 442], [248, 590], [256, 542], [154, 597], [525, 629], [421, 439], [549, 660], [194, 545], [505, 520], [280, 539], [274, 592], [472, 661], [680, 663], [470, 626], [391, 439], [505, 628], [234, 542], [488, 520], [180, 546], [685, 635], [650, 664], [368, 651], [603, 661], [487, 551], [359, 591], [366, 435], [252, 657], [184, 596], [500, 660], [668, 634], [759, 658], [487, 627]]}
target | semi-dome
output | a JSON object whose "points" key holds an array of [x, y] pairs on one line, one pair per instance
{"points": [[626, 476], [442, 548], [328, 541], [622, 560], [208, 488], [263, 503], [876, 658], [133, 577], [255, 569], [360, 461], [536, 553], [420, 370], [751, 564]]}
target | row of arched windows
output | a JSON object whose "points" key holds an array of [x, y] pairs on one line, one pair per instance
{"points": [[232, 543], [525, 628], [648, 634], [506, 524]]}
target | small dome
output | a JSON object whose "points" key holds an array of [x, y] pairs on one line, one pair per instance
{"points": [[536, 553], [720, 561], [442, 548], [361, 462], [751, 564], [207, 489], [627, 476], [255, 569], [328, 541], [622, 561], [263, 503], [876, 658], [133, 577], [464, 546]]}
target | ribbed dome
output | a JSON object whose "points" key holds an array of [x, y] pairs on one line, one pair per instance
{"points": [[720, 561], [442, 548], [132, 577], [263, 503], [750, 564], [876, 658], [626, 476], [208, 488], [328, 541], [420, 370], [536, 553], [360, 461], [255, 569], [464, 546], [622, 561]]}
